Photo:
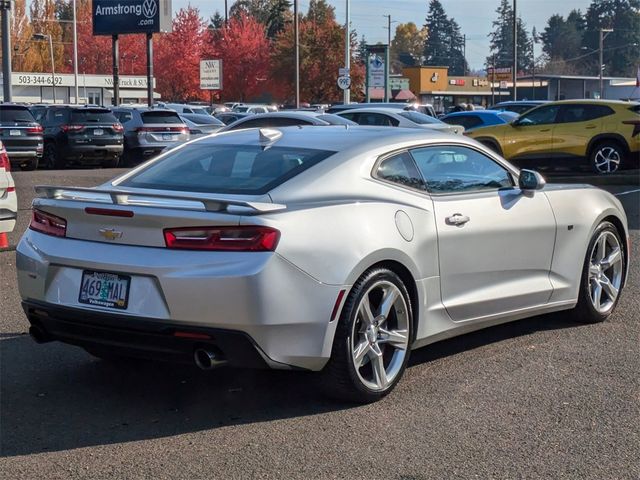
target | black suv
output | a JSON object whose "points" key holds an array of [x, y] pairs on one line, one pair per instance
{"points": [[21, 135], [81, 135]]}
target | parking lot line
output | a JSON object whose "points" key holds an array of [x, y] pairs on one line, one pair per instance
{"points": [[627, 192]]}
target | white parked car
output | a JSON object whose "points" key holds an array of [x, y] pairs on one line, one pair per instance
{"points": [[394, 117], [253, 108], [8, 198]]}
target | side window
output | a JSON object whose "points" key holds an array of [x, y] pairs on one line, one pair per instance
{"points": [[539, 116], [467, 121], [457, 169], [350, 116], [124, 117], [583, 113], [377, 119], [401, 169], [187, 110]]}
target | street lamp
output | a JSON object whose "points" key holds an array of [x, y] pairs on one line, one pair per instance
{"points": [[41, 37], [602, 37]]}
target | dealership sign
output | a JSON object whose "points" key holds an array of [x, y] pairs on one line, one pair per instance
{"points": [[211, 74], [112, 17]]}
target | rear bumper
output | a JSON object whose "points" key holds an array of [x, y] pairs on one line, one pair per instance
{"points": [[143, 338], [282, 309], [92, 152]]}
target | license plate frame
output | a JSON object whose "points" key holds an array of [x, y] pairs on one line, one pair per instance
{"points": [[98, 131], [168, 136], [15, 133], [105, 296]]}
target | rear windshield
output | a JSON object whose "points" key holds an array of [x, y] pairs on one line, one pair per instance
{"points": [[203, 119], [15, 114], [240, 169], [159, 116], [93, 116], [241, 109], [335, 119], [420, 118]]}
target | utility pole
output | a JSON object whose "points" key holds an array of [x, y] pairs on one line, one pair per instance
{"points": [[150, 69], [602, 37], [347, 53], [5, 6], [387, 65], [493, 80], [515, 52], [297, 51], [75, 50], [464, 55], [226, 12], [115, 54]]}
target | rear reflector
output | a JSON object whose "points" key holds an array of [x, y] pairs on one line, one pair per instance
{"points": [[336, 307], [48, 224], [109, 212], [199, 336], [226, 239], [11, 189]]}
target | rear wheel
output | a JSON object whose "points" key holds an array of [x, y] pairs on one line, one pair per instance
{"points": [[111, 163], [32, 165], [606, 157], [51, 157], [372, 342], [602, 275], [490, 144]]}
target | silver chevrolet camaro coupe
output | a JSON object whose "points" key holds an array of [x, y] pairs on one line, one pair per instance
{"points": [[333, 249]]}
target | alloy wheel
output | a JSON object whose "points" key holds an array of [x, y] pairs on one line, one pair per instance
{"points": [[607, 159], [605, 272], [380, 336]]}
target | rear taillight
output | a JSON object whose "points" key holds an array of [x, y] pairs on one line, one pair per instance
{"points": [[230, 239], [48, 224], [4, 160], [72, 128], [37, 130], [117, 127]]}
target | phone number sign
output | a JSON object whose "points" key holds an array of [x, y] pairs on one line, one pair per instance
{"points": [[39, 80]]}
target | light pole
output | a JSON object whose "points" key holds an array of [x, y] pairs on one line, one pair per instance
{"points": [[602, 37], [75, 50], [5, 6], [515, 52], [347, 54], [296, 41], [41, 37]]}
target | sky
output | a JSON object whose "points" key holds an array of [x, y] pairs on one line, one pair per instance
{"points": [[473, 16]]}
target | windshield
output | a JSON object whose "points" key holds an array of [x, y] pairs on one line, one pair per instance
{"points": [[15, 114], [240, 169], [93, 116], [420, 118], [199, 110]]}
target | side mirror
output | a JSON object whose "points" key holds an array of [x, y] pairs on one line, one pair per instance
{"points": [[531, 180], [515, 123]]}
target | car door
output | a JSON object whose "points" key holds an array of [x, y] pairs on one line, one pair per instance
{"points": [[495, 242], [577, 124], [531, 135]]}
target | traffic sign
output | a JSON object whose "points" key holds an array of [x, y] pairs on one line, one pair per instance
{"points": [[344, 82], [343, 72]]}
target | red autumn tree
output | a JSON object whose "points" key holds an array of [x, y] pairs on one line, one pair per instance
{"points": [[243, 47], [321, 55], [177, 57]]}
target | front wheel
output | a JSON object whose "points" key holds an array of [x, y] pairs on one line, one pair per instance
{"points": [[602, 275], [372, 342]]}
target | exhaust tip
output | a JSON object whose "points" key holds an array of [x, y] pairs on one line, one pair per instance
{"points": [[206, 359], [38, 335]]}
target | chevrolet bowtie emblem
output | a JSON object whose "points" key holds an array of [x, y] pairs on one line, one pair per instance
{"points": [[110, 233]]}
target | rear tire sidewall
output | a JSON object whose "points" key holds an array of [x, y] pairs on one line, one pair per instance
{"points": [[604, 145], [51, 156], [585, 312], [342, 354]]}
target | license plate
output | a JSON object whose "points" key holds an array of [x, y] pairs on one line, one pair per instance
{"points": [[98, 131], [15, 133], [105, 289], [167, 136]]}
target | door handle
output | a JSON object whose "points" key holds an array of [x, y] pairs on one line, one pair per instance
{"points": [[590, 127], [545, 130], [457, 219]]}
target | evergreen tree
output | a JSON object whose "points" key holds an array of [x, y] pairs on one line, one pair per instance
{"points": [[361, 52], [445, 44], [562, 39], [216, 21], [273, 14], [621, 52], [501, 40]]}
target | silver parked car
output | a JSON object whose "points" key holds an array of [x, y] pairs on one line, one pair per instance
{"points": [[393, 117], [335, 249], [287, 119]]}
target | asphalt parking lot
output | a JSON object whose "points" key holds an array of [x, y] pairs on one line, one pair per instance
{"points": [[541, 398]]}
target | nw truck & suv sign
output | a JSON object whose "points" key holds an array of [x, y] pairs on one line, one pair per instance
{"points": [[113, 17]]}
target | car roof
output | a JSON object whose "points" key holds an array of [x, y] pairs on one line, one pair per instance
{"points": [[592, 101], [389, 110], [493, 113]]}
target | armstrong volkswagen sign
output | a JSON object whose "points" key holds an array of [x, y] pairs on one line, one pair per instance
{"points": [[111, 17]]}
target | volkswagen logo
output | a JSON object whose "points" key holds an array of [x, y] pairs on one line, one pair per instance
{"points": [[149, 8]]}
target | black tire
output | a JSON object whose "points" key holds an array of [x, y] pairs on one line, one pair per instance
{"points": [[585, 311], [111, 163], [491, 145], [51, 157], [32, 165], [340, 379], [606, 157]]}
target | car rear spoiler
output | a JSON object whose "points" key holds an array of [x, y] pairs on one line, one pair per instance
{"points": [[180, 201]]}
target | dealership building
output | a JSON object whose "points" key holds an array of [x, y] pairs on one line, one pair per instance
{"points": [[32, 87]]}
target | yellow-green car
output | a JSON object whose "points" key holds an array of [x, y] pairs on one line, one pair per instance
{"points": [[604, 132]]}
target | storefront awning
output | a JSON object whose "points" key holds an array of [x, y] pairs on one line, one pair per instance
{"points": [[404, 95]]}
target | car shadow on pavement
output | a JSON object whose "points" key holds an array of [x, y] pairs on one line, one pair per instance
{"points": [[55, 397]]}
